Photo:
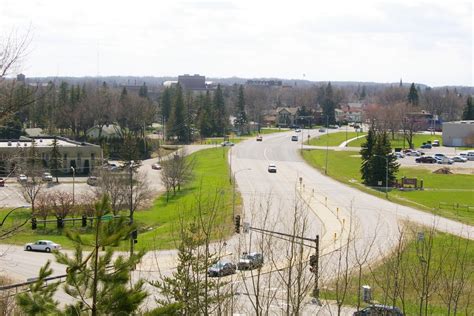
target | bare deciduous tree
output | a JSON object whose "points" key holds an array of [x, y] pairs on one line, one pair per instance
{"points": [[176, 171]]}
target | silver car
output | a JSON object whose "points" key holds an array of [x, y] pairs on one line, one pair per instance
{"points": [[42, 245]]}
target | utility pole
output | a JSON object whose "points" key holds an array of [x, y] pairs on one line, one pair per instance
{"points": [[132, 241], [73, 183], [327, 144], [316, 270]]}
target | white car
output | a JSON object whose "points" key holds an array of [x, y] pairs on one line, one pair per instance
{"points": [[399, 155], [414, 153], [42, 245], [156, 166], [47, 177], [272, 168], [459, 159], [22, 178]]}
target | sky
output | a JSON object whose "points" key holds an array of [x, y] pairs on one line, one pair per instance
{"points": [[420, 41]]}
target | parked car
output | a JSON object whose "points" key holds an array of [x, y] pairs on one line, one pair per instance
{"points": [[272, 168], [426, 146], [227, 144], [2, 182], [297, 130], [439, 155], [22, 178], [42, 245], [92, 181], [294, 138], [322, 130], [415, 153], [435, 143], [426, 159], [379, 310], [250, 261], [399, 155], [259, 138], [444, 160], [221, 268], [459, 159], [156, 166], [47, 177]]}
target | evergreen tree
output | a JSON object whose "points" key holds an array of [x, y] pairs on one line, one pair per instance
{"points": [[363, 94], [468, 113], [55, 159], [220, 118], [241, 117], [205, 115], [166, 104], [99, 283], [143, 92], [367, 152], [177, 124], [413, 97], [329, 106], [377, 156]]}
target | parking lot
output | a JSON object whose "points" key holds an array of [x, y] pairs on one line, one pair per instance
{"points": [[456, 167]]}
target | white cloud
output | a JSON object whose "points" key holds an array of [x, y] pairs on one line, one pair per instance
{"points": [[421, 41]]}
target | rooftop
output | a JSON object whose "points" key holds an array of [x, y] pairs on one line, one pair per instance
{"points": [[26, 142]]}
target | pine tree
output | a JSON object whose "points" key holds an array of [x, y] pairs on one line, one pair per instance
{"points": [[166, 104], [143, 92], [177, 124], [468, 113], [205, 115], [367, 152], [55, 160], [413, 97], [329, 106], [99, 283], [220, 119], [241, 117]]}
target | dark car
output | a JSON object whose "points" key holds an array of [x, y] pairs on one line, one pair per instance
{"points": [[379, 310], [221, 268], [426, 146], [294, 138], [426, 159], [250, 261]]}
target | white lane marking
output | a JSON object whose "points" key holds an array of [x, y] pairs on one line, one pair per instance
{"points": [[265, 154]]}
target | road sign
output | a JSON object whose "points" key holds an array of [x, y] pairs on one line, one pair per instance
{"points": [[246, 227], [107, 217]]}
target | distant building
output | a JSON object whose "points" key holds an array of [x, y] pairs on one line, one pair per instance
{"points": [[109, 131], [195, 82], [459, 133], [21, 78], [286, 116], [264, 83], [84, 157]]}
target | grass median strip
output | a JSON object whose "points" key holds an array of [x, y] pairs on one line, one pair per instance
{"points": [[439, 188], [400, 142], [333, 139], [210, 187]]}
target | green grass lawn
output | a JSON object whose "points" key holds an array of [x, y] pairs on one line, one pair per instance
{"points": [[158, 224], [418, 140], [333, 139], [447, 253], [451, 188]]}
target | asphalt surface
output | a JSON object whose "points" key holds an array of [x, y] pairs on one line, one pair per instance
{"points": [[328, 208]]}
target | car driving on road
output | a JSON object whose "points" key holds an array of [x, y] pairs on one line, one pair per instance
{"points": [[47, 177], [272, 168], [227, 144], [156, 166], [221, 268], [259, 138], [294, 138], [250, 261], [42, 245]]}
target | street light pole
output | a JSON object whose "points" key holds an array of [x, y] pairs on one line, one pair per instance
{"points": [[132, 242], [73, 183]]}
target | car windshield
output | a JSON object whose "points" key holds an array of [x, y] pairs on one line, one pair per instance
{"points": [[219, 265]]}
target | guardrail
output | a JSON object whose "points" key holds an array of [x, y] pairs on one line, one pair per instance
{"points": [[455, 206]]}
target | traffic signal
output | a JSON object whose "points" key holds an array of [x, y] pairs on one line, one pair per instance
{"points": [[60, 222], [237, 224], [313, 263], [33, 223], [84, 220], [135, 236]]}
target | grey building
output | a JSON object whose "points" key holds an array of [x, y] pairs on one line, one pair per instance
{"points": [[195, 82], [459, 133], [84, 157]]}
